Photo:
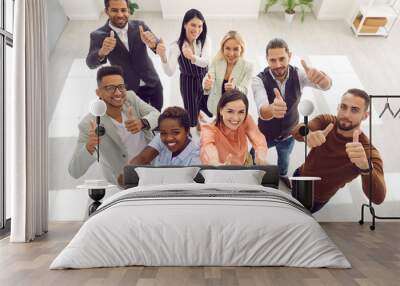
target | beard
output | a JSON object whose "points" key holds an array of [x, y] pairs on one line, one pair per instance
{"points": [[347, 125], [280, 72]]}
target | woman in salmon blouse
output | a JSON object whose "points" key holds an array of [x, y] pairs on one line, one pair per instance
{"points": [[225, 141]]}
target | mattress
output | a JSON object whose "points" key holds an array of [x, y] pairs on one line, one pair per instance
{"points": [[201, 225]]}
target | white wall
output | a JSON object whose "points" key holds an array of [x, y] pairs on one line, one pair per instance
{"points": [[323, 9], [173, 9], [57, 21], [149, 5], [333, 9], [82, 9]]}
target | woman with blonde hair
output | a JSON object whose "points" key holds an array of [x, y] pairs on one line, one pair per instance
{"points": [[228, 71]]}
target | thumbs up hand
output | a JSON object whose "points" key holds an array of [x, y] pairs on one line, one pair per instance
{"points": [[161, 50], [187, 52], [317, 138], [279, 107], [356, 153], [230, 85], [314, 75], [133, 124], [92, 138], [208, 82], [228, 160], [147, 37], [108, 45]]}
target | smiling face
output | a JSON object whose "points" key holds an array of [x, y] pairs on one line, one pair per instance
{"points": [[173, 135], [193, 29], [105, 91], [232, 51], [118, 13], [233, 114], [351, 112], [278, 61]]}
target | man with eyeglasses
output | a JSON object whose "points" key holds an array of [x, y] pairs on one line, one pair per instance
{"points": [[128, 122], [123, 43]]}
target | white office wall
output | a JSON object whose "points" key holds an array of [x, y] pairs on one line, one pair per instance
{"points": [[56, 16]]}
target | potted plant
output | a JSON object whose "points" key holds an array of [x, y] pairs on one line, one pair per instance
{"points": [[289, 6], [132, 7]]}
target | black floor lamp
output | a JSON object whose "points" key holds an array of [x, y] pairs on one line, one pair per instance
{"points": [[98, 108]]}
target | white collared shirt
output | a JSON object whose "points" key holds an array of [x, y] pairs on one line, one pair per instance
{"points": [[134, 143]]}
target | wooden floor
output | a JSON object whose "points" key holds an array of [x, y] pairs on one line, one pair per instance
{"points": [[374, 255]]}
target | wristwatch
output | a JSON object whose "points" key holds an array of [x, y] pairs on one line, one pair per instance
{"points": [[146, 124]]}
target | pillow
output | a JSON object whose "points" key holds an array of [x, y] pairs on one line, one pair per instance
{"points": [[162, 176], [249, 177]]}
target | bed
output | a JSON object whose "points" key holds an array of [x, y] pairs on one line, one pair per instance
{"points": [[201, 223]]}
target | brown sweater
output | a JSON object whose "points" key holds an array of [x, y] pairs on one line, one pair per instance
{"points": [[330, 162]]}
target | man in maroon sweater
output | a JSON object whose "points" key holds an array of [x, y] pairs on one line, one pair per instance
{"points": [[340, 151]]}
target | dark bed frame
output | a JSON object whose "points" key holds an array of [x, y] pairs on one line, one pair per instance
{"points": [[270, 179]]}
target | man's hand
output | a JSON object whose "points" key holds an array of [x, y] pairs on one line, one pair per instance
{"points": [[279, 107], [356, 152], [162, 50], [133, 124], [108, 45], [120, 180], [315, 76], [261, 158], [148, 38], [230, 85], [92, 140], [209, 81], [317, 138]]}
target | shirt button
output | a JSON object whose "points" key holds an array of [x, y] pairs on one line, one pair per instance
{"points": [[123, 155]]}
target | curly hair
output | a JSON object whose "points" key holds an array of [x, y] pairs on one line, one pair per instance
{"points": [[177, 113]]}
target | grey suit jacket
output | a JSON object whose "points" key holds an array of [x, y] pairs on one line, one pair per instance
{"points": [[242, 73], [135, 63], [113, 153]]}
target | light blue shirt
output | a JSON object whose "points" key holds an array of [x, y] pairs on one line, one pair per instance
{"points": [[189, 156]]}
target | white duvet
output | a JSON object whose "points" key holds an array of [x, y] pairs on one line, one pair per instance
{"points": [[190, 230]]}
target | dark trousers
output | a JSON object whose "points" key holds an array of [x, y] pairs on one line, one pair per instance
{"points": [[317, 205], [152, 95]]}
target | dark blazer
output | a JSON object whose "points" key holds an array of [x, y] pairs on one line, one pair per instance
{"points": [[135, 63]]}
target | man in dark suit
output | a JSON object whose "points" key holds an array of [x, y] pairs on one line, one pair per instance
{"points": [[123, 43]]}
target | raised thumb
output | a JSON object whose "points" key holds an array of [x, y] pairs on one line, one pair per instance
{"points": [[130, 113], [228, 159], [278, 94], [92, 125], [328, 129], [305, 66]]}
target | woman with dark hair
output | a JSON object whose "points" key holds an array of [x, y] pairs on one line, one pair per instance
{"points": [[173, 145], [224, 141], [191, 52]]}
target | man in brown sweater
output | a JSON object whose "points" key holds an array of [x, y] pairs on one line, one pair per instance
{"points": [[340, 151]]}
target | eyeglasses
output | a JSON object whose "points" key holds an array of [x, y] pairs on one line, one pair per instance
{"points": [[112, 88]]}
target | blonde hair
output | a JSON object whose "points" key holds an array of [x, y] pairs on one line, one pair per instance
{"points": [[231, 35]]}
